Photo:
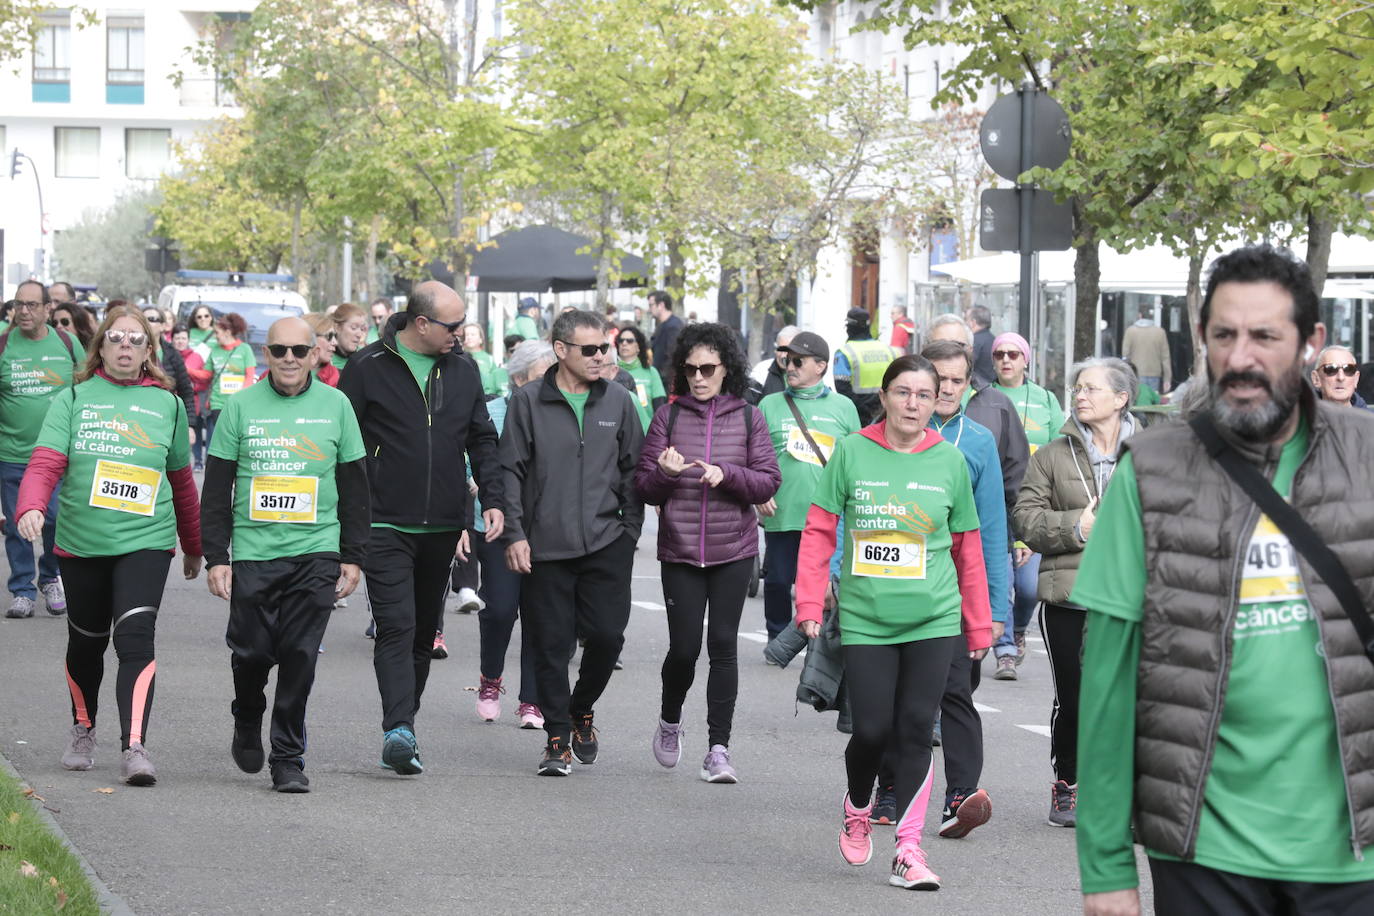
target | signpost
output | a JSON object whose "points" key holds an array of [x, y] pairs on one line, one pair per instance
{"points": [[1021, 132]]}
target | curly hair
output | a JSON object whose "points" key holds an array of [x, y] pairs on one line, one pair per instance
{"points": [[233, 323], [724, 341], [638, 335]]}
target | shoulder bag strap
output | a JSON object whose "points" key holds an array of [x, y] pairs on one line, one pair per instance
{"points": [[1306, 541], [796, 415]]}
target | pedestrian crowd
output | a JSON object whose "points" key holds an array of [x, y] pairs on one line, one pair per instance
{"points": [[1203, 579]]}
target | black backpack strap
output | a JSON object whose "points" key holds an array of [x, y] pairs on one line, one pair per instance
{"points": [[1300, 534], [748, 427], [672, 421], [67, 339]]}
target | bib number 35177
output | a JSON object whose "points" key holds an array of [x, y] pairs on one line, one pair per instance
{"points": [[283, 499], [890, 554], [125, 487]]}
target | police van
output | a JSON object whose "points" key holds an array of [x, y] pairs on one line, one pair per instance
{"points": [[259, 298]]}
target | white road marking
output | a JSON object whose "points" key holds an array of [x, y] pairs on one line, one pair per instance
{"points": [[649, 605], [753, 637], [1042, 730], [981, 708]]}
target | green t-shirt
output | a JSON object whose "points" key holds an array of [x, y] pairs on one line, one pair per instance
{"points": [[229, 369], [486, 367], [206, 336], [526, 327], [419, 365], [32, 372], [286, 448], [1274, 805], [897, 577], [648, 388], [120, 442], [338, 360], [1039, 410], [372, 335], [578, 402], [1146, 396], [830, 417]]}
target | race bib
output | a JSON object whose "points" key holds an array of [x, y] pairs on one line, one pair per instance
{"points": [[125, 487], [800, 449], [1271, 566], [231, 384], [890, 554], [1034, 448], [283, 499], [642, 390]]}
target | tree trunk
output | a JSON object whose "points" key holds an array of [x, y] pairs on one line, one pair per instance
{"points": [[1087, 278], [1320, 228], [675, 280], [374, 233], [1193, 297], [296, 245], [603, 255]]}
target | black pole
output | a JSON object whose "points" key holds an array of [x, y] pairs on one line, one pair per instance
{"points": [[1025, 190]]}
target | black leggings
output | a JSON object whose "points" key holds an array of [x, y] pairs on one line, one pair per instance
{"points": [[496, 621], [691, 593], [1062, 628], [120, 596], [895, 687]]}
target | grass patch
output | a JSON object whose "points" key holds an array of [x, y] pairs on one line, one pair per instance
{"points": [[38, 874]]}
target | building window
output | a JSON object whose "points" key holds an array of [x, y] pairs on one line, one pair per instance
{"points": [[124, 48], [77, 152], [146, 152], [52, 48]]}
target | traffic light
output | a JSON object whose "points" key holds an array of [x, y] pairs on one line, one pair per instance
{"points": [[15, 156]]}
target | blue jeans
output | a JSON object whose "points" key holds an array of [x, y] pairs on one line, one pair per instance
{"points": [[1154, 381], [1023, 585], [18, 550], [780, 573]]}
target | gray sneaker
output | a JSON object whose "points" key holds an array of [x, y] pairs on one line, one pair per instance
{"points": [[80, 754], [54, 597], [1063, 805], [716, 767], [20, 607], [668, 743], [137, 769]]}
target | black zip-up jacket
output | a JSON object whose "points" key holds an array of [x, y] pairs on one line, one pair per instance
{"points": [[416, 439], [571, 491]]}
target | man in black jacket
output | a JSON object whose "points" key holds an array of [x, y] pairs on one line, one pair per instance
{"points": [[665, 335], [569, 449], [420, 405]]}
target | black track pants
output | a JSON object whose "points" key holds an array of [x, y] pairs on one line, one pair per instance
{"points": [[278, 611], [712, 598], [1062, 629], [114, 595], [407, 583], [1186, 888]]}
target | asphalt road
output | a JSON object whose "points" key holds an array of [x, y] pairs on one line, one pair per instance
{"points": [[478, 832]]}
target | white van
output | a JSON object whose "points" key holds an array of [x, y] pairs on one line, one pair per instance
{"points": [[259, 305]]}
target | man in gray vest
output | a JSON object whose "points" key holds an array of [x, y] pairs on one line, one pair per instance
{"points": [[1225, 712]]}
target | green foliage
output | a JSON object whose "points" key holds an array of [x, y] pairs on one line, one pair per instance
{"points": [[20, 21], [106, 248]]}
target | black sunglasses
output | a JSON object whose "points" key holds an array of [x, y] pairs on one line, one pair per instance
{"points": [[1330, 370], [300, 351], [625, 340], [796, 362], [705, 371], [449, 326], [588, 350]]}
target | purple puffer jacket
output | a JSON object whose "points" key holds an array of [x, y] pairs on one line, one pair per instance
{"points": [[701, 525]]}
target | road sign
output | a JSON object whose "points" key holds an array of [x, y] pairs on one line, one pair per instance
{"points": [[999, 135], [999, 219]]}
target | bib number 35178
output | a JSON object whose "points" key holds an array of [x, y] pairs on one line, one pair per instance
{"points": [[283, 499], [890, 554], [125, 487]]}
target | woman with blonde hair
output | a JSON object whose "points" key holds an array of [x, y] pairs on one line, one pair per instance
{"points": [[323, 326], [350, 332], [119, 438]]}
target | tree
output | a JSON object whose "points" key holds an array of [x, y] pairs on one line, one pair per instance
{"points": [[21, 20], [106, 248]]}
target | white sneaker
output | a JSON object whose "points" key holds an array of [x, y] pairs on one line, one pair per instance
{"points": [[469, 602]]}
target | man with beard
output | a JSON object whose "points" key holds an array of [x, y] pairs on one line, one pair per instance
{"points": [[1225, 711]]}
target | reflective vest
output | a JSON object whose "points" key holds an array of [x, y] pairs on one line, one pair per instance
{"points": [[868, 360]]}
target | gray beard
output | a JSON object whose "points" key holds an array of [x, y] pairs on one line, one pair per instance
{"points": [[1262, 423]]}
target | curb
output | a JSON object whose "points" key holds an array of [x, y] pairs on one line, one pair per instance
{"points": [[109, 902]]}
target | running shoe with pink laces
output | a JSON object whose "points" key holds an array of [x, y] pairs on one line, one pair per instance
{"points": [[530, 716], [909, 870], [856, 834], [489, 698]]}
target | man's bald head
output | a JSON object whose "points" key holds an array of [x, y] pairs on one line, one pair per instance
{"points": [[290, 331], [432, 299]]}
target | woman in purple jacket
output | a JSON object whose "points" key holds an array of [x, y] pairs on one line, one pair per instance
{"points": [[707, 460]]}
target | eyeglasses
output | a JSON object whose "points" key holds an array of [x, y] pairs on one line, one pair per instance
{"points": [[64, 322], [135, 338], [705, 371], [300, 351], [26, 305], [588, 350], [1006, 354], [449, 326], [1089, 390], [1330, 370], [906, 394]]}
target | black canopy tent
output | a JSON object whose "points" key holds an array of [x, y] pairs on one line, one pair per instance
{"points": [[538, 259]]}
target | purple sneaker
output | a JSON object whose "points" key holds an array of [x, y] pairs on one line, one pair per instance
{"points": [[716, 767], [668, 743]]}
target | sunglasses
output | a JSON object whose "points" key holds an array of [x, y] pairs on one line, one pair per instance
{"points": [[199, 315], [796, 362], [705, 371], [1006, 354], [300, 351], [331, 337], [64, 322], [625, 340], [1331, 369], [152, 319], [449, 326], [588, 350], [135, 338]]}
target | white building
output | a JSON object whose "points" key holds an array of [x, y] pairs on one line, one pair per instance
{"points": [[95, 110]]}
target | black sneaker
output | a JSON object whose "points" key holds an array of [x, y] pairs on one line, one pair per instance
{"points": [[1063, 805], [246, 746], [584, 744], [965, 809], [884, 808], [371, 631], [557, 759], [289, 776]]}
